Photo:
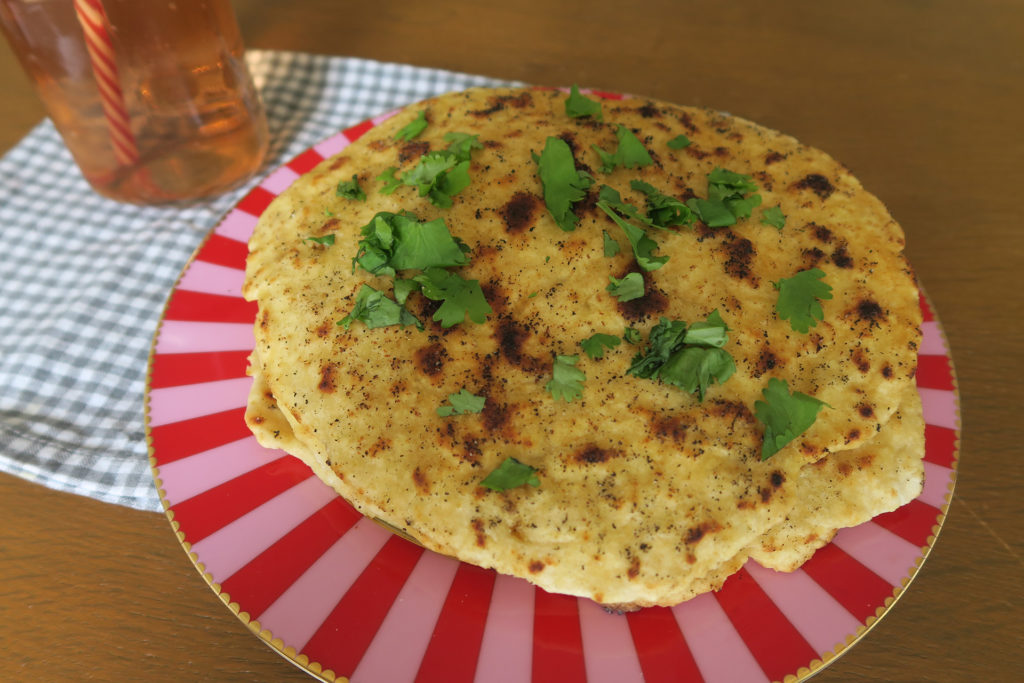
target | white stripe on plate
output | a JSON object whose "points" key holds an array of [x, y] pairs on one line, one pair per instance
{"points": [[608, 650], [716, 646], [188, 336], [506, 650], [880, 550], [174, 404], [182, 479], [212, 278], [816, 615], [400, 643], [237, 544], [297, 614]]}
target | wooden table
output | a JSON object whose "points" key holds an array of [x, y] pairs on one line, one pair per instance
{"points": [[921, 100]]}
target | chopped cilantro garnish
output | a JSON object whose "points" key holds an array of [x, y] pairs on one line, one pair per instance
{"points": [[679, 142], [566, 379], [595, 344], [438, 176], [375, 309], [632, 335], [394, 242], [349, 189], [577, 105], [774, 217], [687, 357], [611, 247], [798, 299], [413, 128], [628, 288], [461, 297], [726, 202], [563, 184], [326, 240], [510, 474], [630, 153], [663, 211], [462, 403], [461, 145], [784, 415], [391, 182], [643, 246]]}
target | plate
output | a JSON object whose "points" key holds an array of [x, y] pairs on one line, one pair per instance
{"points": [[342, 597]]}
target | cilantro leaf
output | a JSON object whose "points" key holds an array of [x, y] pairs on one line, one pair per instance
{"points": [[413, 128], [709, 332], [726, 184], [349, 189], [438, 176], [577, 105], [462, 403], [798, 299], [400, 241], [694, 368], [611, 247], [375, 309], [774, 217], [461, 145], [630, 153], [643, 246], [563, 184], [461, 297], [687, 357], [713, 212], [326, 240], [662, 341], [784, 415], [632, 335], [595, 344], [510, 474], [628, 288], [663, 211], [403, 288], [566, 379], [726, 202], [391, 182], [679, 142]]}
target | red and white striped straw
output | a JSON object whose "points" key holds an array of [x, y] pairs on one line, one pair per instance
{"points": [[95, 25]]}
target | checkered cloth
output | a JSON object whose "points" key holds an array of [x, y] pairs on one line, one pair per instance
{"points": [[83, 279]]}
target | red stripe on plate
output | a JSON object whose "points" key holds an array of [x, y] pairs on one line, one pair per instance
{"points": [[224, 251], [773, 640], [357, 131], [455, 644], [933, 372], [176, 369], [342, 640], [210, 308], [215, 508], [557, 640], [258, 584], [257, 201], [912, 522], [940, 445], [608, 95], [306, 161], [926, 310], [181, 439], [858, 589], [661, 647]]}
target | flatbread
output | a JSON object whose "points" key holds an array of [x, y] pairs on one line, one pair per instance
{"points": [[647, 495]]}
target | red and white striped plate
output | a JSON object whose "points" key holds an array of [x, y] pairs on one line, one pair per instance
{"points": [[342, 597]]}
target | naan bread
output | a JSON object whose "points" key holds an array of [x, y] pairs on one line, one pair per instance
{"points": [[647, 496]]}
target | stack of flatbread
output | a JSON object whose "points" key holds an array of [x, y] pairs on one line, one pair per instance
{"points": [[521, 433]]}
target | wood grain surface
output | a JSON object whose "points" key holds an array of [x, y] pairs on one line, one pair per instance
{"points": [[921, 99]]}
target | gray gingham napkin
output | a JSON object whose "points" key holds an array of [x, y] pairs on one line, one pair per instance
{"points": [[83, 279]]}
